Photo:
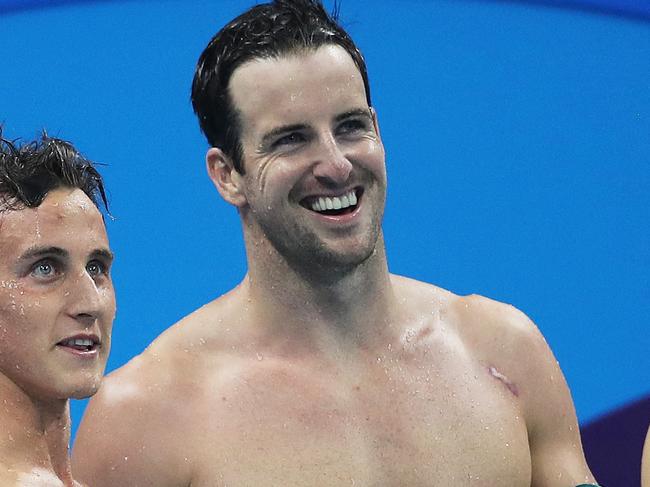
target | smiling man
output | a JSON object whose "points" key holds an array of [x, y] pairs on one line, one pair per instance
{"points": [[321, 368], [56, 304]]}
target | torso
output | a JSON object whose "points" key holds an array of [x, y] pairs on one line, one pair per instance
{"points": [[29, 477], [429, 411]]}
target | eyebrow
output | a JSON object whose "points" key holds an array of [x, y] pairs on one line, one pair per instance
{"points": [[357, 112], [104, 254], [33, 252]]}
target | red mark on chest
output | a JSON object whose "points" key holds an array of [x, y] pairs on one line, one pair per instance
{"points": [[512, 387]]}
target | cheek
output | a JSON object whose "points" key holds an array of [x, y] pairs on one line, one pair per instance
{"points": [[24, 334], [374, 156], [110, 310], [272, 184], [14, 310], [21, 312]]}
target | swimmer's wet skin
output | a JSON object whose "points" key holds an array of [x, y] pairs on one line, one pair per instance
{"points": [[321, 368]]}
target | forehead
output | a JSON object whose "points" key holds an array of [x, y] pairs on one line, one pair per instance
{"points": [[298, 85], [66, 218]]}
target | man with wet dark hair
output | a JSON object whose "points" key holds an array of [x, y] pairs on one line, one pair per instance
{"points": [[265, 31], [56, 304], [321, 368]]}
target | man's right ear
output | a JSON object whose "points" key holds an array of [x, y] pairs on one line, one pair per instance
{"points": [[225, 178]]}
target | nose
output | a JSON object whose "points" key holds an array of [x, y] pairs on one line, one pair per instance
{"points": [[85, 301], [332, 165]]}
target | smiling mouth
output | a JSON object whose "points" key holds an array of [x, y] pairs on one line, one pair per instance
{"points": [[334, 205], [80, 344]]}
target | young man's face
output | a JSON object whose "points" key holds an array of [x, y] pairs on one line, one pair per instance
{"points": [[311, 143], [57, 302]]}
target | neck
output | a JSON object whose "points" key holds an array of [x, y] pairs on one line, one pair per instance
{"points": [[36, 433], [351, 306]]}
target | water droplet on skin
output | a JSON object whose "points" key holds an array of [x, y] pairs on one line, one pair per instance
{"points": [[410, 333], [378, 359]]}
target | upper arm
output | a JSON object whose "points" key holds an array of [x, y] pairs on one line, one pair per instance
{"points": [[556, 451], [645, 462], [125, 439]]}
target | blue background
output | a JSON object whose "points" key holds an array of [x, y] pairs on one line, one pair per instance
{"points": [[518, 142]]}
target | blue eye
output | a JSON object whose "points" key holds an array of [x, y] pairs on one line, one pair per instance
{"points": [[350, 126], [290, 139], [95, 268], [44, 269]]}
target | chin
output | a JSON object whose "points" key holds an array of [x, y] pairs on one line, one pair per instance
{"points": [[84, 393], [83, 388]]}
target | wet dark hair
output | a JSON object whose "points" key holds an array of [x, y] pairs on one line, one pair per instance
{"points": [[30, 170], [268, 30]]}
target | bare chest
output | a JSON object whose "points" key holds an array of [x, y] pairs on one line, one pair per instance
{"points": [[393, 425]]}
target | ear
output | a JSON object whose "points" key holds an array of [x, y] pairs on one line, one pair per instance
{"points": [[375, 121], [225, 178]]}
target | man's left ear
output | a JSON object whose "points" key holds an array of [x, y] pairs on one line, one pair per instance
{"points": [[375, 121]]}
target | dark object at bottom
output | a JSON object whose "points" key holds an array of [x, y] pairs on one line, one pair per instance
{"points": [[614, 442]]}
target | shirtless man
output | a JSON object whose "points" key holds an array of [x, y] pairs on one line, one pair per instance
{"points": [[56, 305], [320, 368]]}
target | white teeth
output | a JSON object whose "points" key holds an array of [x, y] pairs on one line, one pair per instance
{"points": [[81, 342], [335, 202]]}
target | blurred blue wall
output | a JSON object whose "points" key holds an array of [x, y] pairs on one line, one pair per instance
{"points": [[518, 157]]}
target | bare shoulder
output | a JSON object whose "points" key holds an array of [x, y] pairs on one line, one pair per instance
{"points": [[137, 429], [477, 319], [128, 420], [497, 335], [514, 351], [500, 334]]}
